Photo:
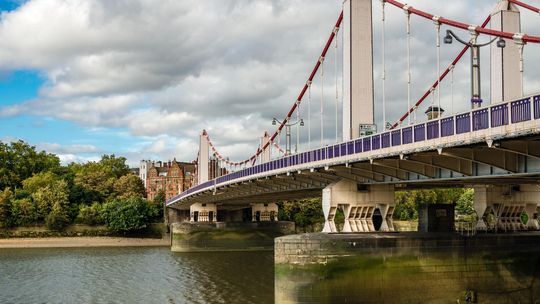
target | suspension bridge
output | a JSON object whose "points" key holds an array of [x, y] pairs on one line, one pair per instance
{"points": [[493, 146]]}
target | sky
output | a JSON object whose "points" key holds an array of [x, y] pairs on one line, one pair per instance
{"points": [[82, 78]]}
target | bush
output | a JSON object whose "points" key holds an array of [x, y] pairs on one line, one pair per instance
{"points": [[90, 215], [129, 214]]}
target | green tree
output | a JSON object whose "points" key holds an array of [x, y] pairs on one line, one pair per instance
{"points": [[23, 212], [129, 185], [6, 219], [129, 214], [57, 218], [19, 161], [95, 181], [56, 192], [159, 202], [305, 213], [465, 203], [90, 215], [117, 165]]}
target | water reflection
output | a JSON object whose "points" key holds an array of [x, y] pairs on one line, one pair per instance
{"points": [[439, 277]]}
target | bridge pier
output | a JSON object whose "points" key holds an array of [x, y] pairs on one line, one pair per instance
{"points": [[506, 203], [264, 212], [200, 212], [359, 206]]}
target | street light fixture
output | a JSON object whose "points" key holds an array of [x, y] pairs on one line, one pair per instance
{"points": [[288, 134], [476, 99]]}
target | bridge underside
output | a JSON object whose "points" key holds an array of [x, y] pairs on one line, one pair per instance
{"points": [[509, 161]]}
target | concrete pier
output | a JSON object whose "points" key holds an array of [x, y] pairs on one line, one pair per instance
{"points": [[407, 268]]}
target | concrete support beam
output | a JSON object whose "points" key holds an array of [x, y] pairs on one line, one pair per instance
{"points": [[264, 212], [506, 203], [359, 206], [203, 212]]}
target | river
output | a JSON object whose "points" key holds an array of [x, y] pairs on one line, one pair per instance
{"points": [[157, 275], [134, 275]]}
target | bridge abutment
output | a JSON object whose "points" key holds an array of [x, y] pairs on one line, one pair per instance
{"points": [[359, 206]]}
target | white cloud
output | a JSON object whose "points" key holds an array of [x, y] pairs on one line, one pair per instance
{"points": [[165, 72]]}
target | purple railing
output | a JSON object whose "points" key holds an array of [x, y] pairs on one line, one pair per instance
{"points": [[499, 115], [536, 107], [396, 138], [376, 142], [493, 116], [358, 146], [432, 129], [447, 126], [385, 139], [367, 144], [480, 119], [407, 135], [520, 110], [463, 123], [420, 132]]}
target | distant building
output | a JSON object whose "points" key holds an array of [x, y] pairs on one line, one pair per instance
{"points": [[172, 177]]}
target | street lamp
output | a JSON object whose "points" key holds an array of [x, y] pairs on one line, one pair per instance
{"points": [[476, 99], [288, 135]]}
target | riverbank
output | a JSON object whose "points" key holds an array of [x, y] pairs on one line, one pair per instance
{"points": [[82, 242]]}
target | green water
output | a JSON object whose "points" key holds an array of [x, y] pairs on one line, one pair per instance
{"points": [[441, 277], [134, 275]]}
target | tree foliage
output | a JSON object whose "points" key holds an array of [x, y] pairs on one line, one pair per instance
{"points": [[19, 161], [125, 215], [6, 220], [129, 185], [90, 215], [304, 213], [35, 189]]}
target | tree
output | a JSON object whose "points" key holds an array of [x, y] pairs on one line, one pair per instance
{"points": [[96, 181], [129, 214], [129, 185], [23, 212], [90, 215], [19, 161], [159, 202], [305, 213], [57, 218], [117, 165], [45, 198], [465, 203], [6, 219]]}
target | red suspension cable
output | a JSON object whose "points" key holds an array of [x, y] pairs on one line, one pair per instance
{"points": [[525, 5], [436, 83], [300, 96]]}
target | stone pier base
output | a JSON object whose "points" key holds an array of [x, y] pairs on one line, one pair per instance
{"points": [[227, 236]]}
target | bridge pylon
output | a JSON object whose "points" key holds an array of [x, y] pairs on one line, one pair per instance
{"points": [[506, 80], [358, 108]]}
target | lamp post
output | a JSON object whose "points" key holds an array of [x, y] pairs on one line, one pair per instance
{"points": [[476, 97], [288, 135]]}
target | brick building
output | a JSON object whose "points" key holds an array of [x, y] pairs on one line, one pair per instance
{"points": [[172, 177]]}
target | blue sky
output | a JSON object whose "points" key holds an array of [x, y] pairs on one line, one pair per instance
{"points": [[82, 78]]}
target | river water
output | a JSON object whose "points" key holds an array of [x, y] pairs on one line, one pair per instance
{"points": [[134, 275], [157, 275]]}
